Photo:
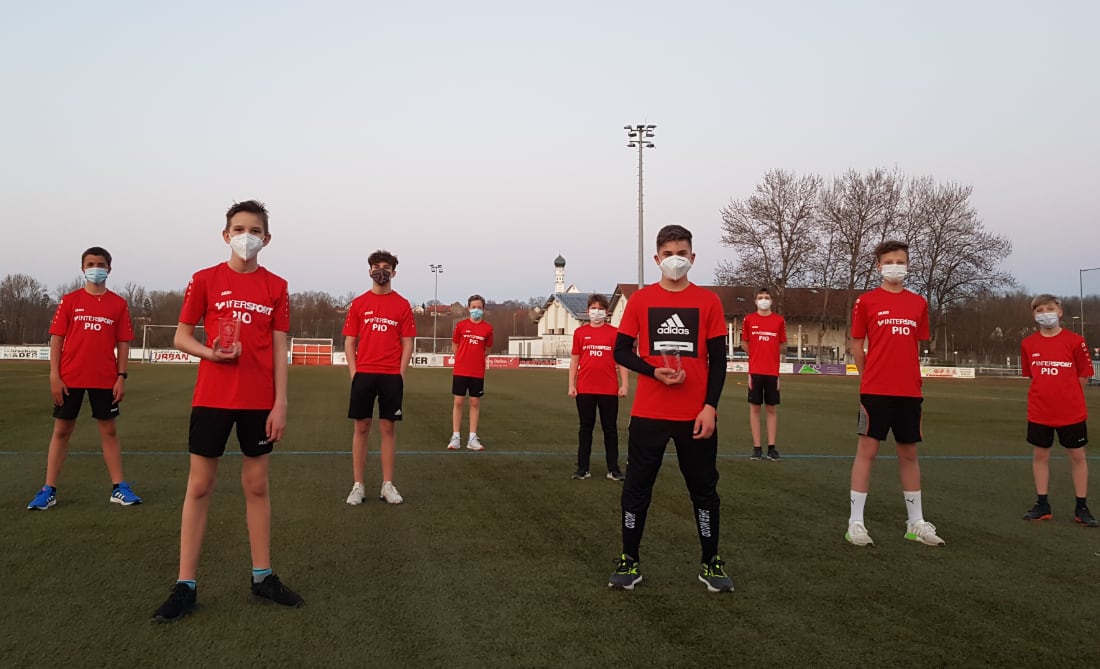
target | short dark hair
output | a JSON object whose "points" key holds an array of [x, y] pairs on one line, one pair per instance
{"points": [[763, 290], [249, 206], [473, 298], [96, 251], [673, 233], [382, 255], [596, 298], [889, 246]]}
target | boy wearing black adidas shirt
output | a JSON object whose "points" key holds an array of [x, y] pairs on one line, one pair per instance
{"points": [[680, 331]]}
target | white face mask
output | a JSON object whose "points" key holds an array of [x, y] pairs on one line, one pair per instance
{"points": [[894, 273], [246, 246], [597, 315], [1047, 320], [675, 267], [763, 304]]}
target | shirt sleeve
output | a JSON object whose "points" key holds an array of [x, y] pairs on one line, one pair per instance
{"points": [[859, 327], [194, 301], [576, 342], [61, 318], [1084, 360], [125, 326], [408, 323], [922, 326], [281, 322], [489, 339], [351, 323], [782, 330], [1025, 361], [629, 323]]}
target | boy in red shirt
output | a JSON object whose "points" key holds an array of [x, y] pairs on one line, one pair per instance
{"points": [[679, 332], [89, 325], [893, 321], [379, 332], [473, 339], [1057, 362], [241, 383], [595, 385], [763, 336]]}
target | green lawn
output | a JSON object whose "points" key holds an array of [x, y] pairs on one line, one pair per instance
{"points": [[499, 559]]}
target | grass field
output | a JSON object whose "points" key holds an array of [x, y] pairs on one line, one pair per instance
{"points": [[499, 559]]}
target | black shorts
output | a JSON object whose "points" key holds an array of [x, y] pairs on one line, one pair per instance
{"points": [[1069, 436], [881, 414], [763, 389], [210, 430], [101, 399], [388, 389], [472, 385]]}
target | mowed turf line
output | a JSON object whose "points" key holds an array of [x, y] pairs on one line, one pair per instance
{"points": [[499, 559]]}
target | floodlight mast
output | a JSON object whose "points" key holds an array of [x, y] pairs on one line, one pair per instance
{"points": [[639, 138]]}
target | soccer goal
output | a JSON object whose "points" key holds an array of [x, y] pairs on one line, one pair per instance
{"points": [[157, 344], [310, 351]]}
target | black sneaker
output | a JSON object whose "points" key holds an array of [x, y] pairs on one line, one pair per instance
{"points": [[713, 574], [626, 574], [757, 454], [581, 474], [1082, 516], [616, 476], [773, 454], [271, 589], [1039, 512], [180, 601]]}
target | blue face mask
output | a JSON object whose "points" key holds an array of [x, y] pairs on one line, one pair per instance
{"points": [[96, 275], [476, 313]]}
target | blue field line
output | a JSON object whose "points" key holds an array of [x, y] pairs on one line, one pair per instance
{"points": [[481, 454]]}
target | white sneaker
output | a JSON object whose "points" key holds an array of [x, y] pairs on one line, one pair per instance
{"points": [[454, 444], [390, 494], [857, 534], [355, 497], [474, 444], [924, 532]]}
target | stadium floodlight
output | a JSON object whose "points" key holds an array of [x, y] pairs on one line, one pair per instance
{"points": [[436, 270], [642, 132], [1081, 295]]}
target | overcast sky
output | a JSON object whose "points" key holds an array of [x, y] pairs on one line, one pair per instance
{"points": [[488, 136]]}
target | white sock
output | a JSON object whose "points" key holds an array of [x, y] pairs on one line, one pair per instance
{"points": [[913, 506], [456, 435], [859, 499], [473, 435]]}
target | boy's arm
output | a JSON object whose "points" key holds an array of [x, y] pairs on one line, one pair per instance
{"points": [[406, 354], [624, 382], [57, 387], [574, 363], [119, 390], [350, 344], [625, 356], [185, 341], [716, 378], [276, 418], [859, 356]]}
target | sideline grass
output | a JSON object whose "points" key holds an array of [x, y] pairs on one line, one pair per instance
{"points": [[499, 559]]}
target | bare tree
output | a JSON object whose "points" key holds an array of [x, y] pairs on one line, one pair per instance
{"points": [[952, 256], [135, 296], [773, 232], [25, 310], [76, 283]]}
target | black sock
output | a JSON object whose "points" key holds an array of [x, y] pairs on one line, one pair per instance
{"points": [[771, 447], [114, 486], [1042, 500], [708, 527], [1082, 503]]}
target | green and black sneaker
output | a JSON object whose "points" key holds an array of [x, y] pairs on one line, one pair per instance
{"points": [[626, 574], [713, 574]]}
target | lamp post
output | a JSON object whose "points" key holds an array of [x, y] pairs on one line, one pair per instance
{"points": [[1081, 293], [639, 138], [436, 270]]}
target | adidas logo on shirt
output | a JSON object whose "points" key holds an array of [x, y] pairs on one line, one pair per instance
{"points": [[673, 325]]}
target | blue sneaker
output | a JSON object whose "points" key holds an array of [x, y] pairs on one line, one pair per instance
{"points": [[124, 495], [45, 498]]}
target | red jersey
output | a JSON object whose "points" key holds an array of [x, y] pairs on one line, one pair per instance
{"points": [[595, 351], [380, 322], [1055, 365], [92, 326], [472, 342], [682, 321], [261, 301], [765, 334], [893, 324]]}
